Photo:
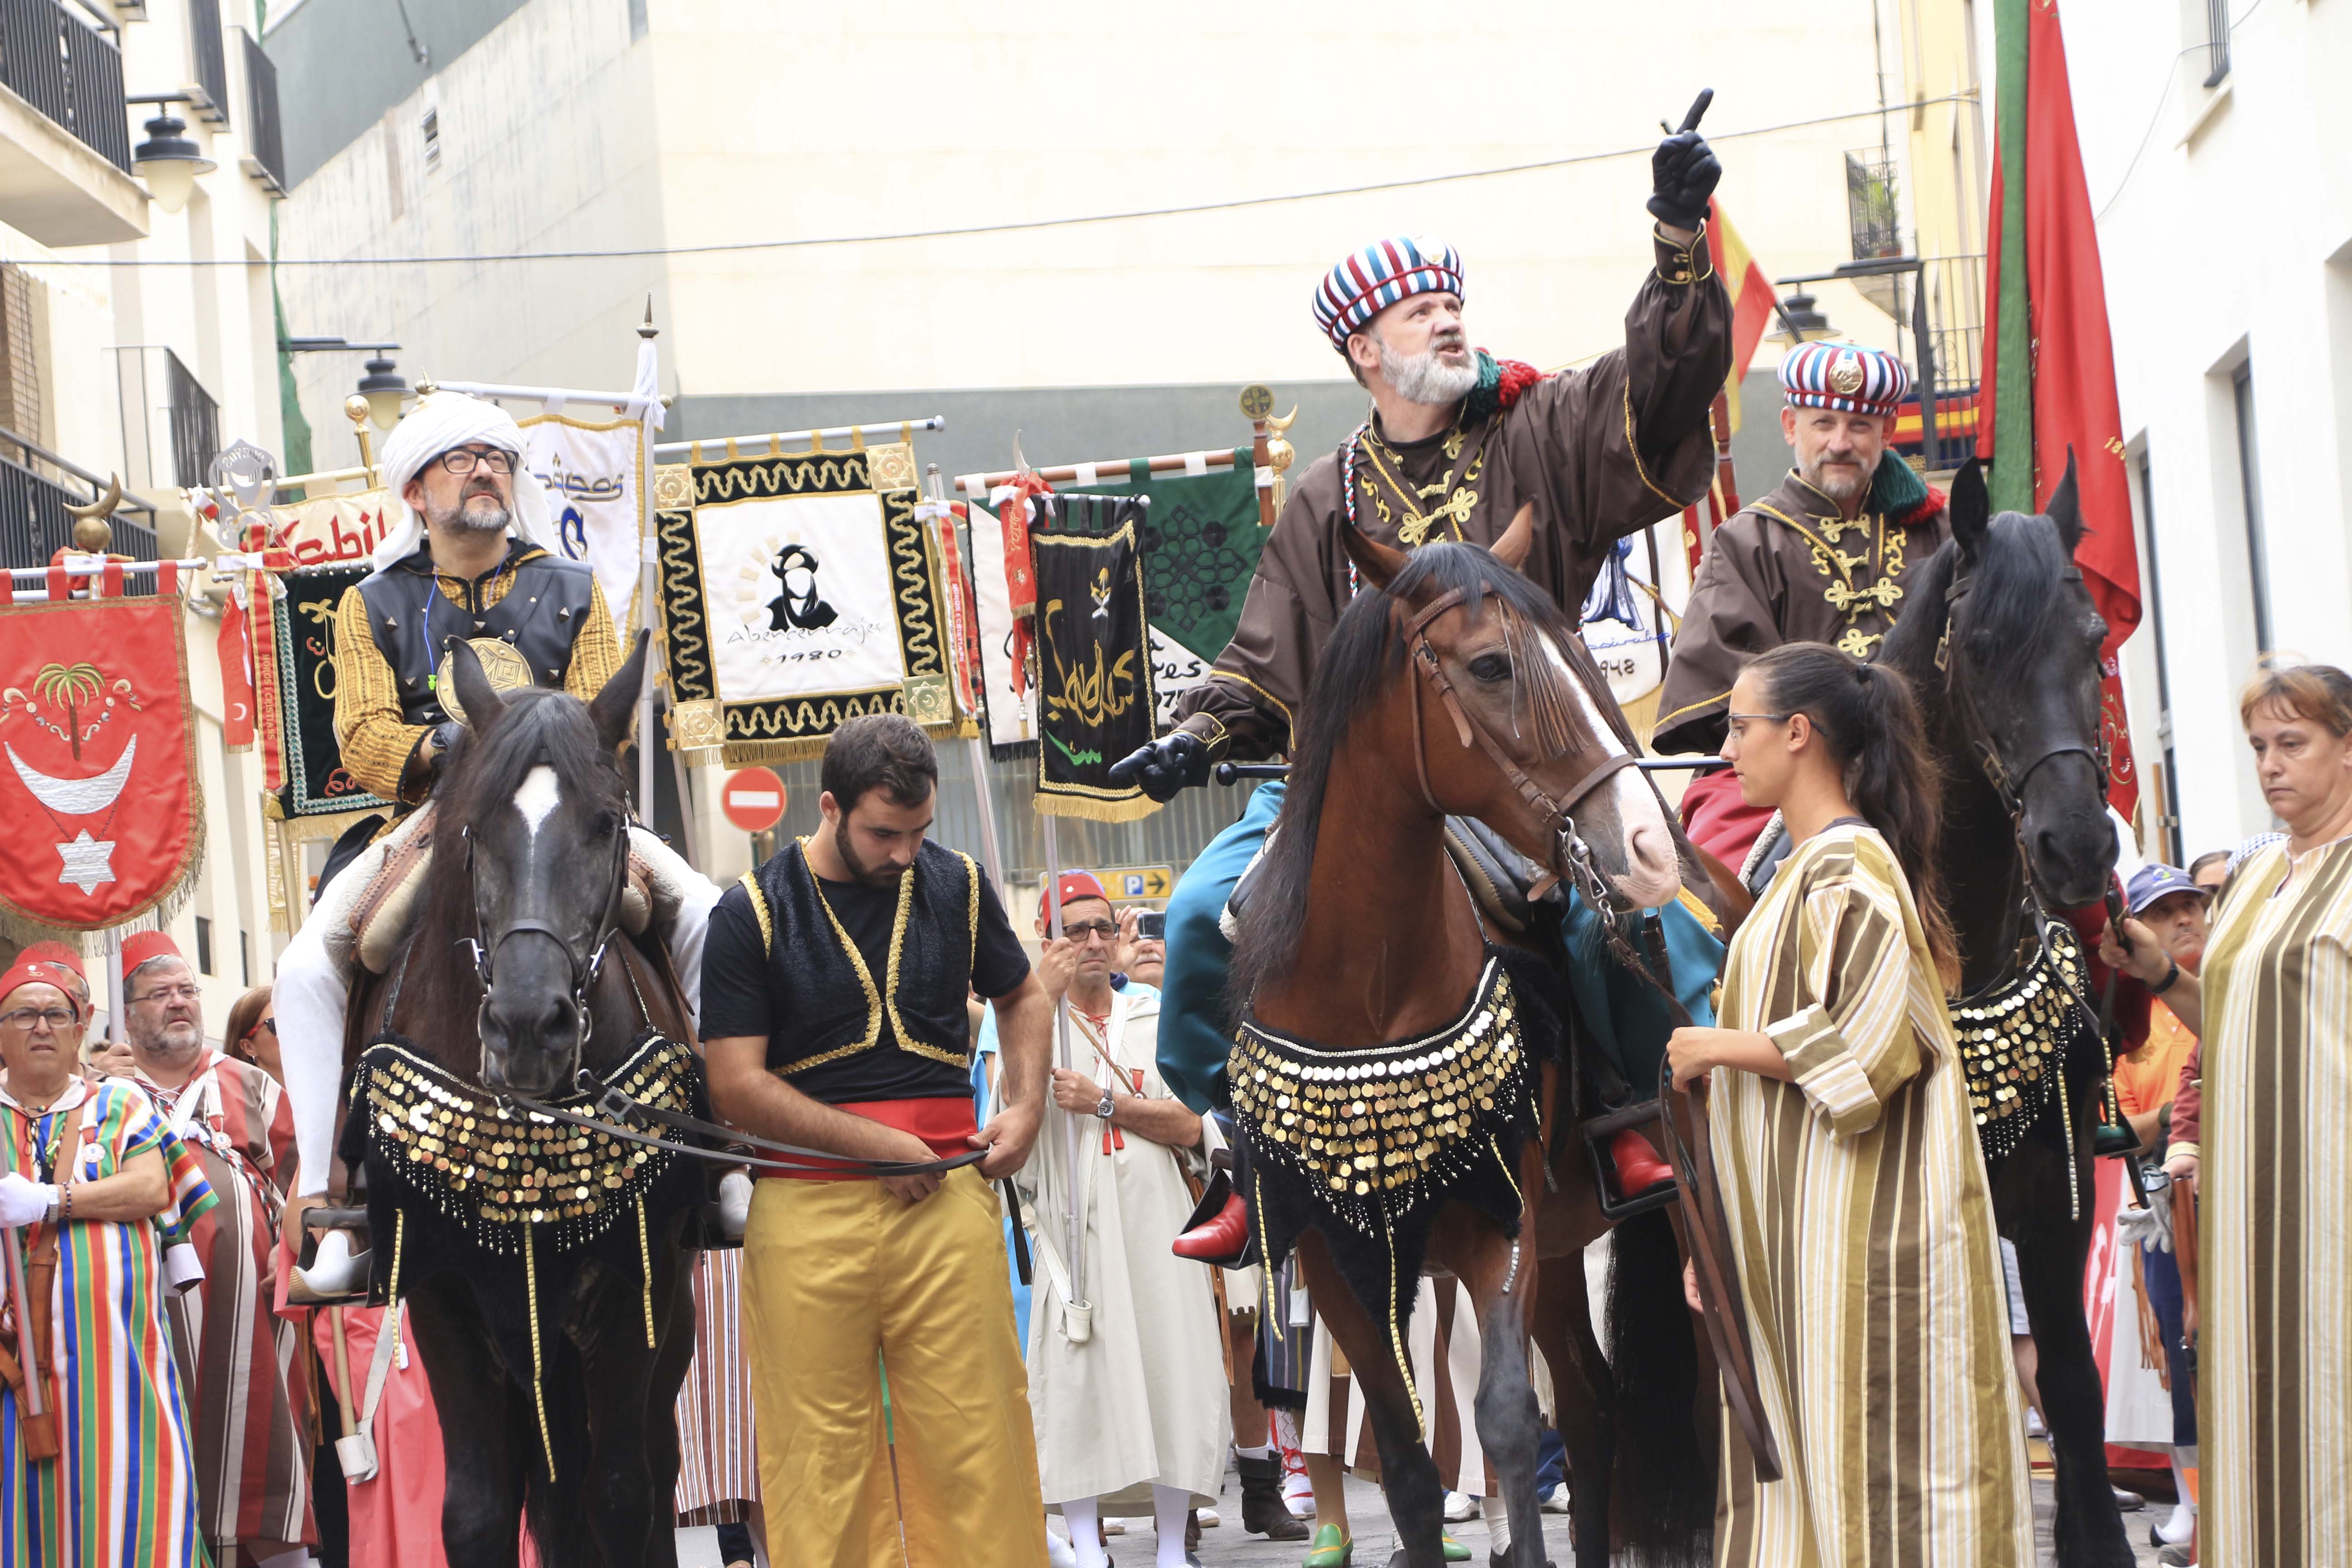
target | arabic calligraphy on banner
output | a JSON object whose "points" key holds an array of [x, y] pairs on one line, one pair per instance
{"points": [[593, 474]]}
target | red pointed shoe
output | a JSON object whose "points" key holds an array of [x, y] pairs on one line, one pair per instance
{"points": [[1639, 1168], [1221, 1240]]}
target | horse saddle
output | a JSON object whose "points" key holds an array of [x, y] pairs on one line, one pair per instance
{"points": [[380, 921], [1499, 878]]}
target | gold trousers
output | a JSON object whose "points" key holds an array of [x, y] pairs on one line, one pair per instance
{"points": [[836, 1273]]}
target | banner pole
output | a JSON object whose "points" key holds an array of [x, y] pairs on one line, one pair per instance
{"points": [[648, 714], [1074, 1224], [115, 1009]]}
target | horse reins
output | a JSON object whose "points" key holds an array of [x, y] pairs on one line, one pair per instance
{"points": [[1575, 853]]}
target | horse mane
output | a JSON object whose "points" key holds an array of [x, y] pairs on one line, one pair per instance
{"points": [[481, 776], [1365, 651]]}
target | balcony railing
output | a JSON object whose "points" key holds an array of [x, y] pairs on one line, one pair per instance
{"points": [[2217, 42], [1871, 208], [209, 58], [34, 523], [69, 71], [170, 426], [265, 133]]}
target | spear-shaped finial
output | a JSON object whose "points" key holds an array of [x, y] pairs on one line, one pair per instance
{"points": [[649, 330]]}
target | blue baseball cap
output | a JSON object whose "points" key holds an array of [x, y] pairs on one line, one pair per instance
{"points": [[2156, 880]]}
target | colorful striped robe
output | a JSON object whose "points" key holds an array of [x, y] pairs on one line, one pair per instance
{"points": [[236, 1355], [1863, 1234], [2274, 1341], [122, 1492]]}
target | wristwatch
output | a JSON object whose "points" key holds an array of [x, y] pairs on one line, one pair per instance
{"points": [[1102, 1107]]}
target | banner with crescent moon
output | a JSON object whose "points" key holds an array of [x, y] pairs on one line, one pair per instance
{"points": [[594, 476], [98, 774]]}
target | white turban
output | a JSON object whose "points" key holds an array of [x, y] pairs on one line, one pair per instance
{"points": [[436, 423]]}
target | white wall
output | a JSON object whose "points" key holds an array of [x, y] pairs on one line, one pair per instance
{"points": [[2224, 226], [731, 123]]}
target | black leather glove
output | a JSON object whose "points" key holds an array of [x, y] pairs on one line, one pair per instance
{"points": [[1684, 171], [1166, 765]]}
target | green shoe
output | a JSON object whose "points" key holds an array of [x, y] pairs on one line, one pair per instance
{"points": [[1454, 1551], [1332, 1550]]}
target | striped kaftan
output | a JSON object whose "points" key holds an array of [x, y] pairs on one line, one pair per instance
{"points": [[122, 1491], [1863, 1234], [2274, 1351], [236, 1356]]}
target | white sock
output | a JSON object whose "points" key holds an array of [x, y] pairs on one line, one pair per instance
{"points": [[1171, 1512], [1086, 1538], [1263, 1451], [1499, 1525]]}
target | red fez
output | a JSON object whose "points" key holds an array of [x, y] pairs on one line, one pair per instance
{"points": [[143, 946], [1074, 884], [32, 970], [58, 953]]}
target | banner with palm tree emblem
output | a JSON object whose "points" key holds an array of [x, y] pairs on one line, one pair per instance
{"points": [[99, 780]]}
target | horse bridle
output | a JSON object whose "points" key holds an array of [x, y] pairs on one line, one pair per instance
{"points": [[2011, 790], [583, 971], [1573, 852]]}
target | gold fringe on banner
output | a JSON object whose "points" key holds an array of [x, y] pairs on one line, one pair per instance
{"points": [[1132, 808]]}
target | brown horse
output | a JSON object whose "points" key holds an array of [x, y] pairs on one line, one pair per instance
{"points": [[1359, 934]]}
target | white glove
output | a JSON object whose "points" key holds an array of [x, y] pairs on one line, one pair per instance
{"points": [[735, 1203], [23, 1202], [2150, 1226]]}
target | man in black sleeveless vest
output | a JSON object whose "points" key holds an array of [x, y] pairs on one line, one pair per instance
{"points": [[834, 984]]}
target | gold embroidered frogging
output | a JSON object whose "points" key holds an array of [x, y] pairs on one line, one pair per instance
{"points": [[1454, 502], [1881, 559], [2014, 1040], [1376, 1132], [496, 1168]]}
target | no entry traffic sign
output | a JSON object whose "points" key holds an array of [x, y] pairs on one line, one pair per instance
{"points": [[752, 798]]}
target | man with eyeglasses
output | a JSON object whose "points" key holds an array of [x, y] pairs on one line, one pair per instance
{"points": [[236, 1355]]}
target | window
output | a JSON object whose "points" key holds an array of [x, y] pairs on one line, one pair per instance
{"points": [[203, 945], [20, 375], [2217, 41], [432, 138], [2241, 391], [2169, 801]]}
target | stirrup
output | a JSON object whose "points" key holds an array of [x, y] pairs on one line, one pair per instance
{"points": [[1620, 1162], [335, 1273]]}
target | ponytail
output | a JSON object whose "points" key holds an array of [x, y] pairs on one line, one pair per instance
{"points": [[1867, 718]]}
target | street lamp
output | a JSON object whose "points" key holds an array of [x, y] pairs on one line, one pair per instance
{"points": [[382, 386], [168, 161], [1800, 321]]}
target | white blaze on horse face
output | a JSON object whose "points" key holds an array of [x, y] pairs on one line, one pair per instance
{"points": [[537, 797], [1650, 876]]}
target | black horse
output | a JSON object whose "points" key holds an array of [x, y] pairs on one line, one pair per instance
{"points": [[2001, 643], [555, 1337]]}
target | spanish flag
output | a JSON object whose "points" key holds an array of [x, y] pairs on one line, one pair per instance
{"points": [[1751, 299]]}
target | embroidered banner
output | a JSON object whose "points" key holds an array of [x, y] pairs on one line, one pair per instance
{"points": [[1629, 615], [1094, 653], [100, 784], [1200, 543], [594, 479], [797, 594], [300, 704]]}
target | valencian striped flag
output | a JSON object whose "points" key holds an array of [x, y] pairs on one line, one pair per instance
{"points": [[2048, 381]]}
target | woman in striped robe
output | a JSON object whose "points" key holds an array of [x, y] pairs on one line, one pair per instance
{"points": [[2274, 1144], [1860, 1215], [122, 1490]]}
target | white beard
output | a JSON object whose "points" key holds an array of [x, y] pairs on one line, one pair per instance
{"points": [[1841, 485], [465, 520], [1424, 377]]}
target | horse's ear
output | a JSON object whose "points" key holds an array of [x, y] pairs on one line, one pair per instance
{"points": [[616, 704], [1512, 549], [479, 700], [1377, 562], [1972, 509], [2066, 507]]}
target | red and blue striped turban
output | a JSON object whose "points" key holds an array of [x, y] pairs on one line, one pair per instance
{"points": [[1847, 377], [1385, 272]]}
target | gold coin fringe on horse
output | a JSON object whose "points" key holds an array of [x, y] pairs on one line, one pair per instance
{"points": [[2014, 1040], [1373, 1136], [505, 1175]]}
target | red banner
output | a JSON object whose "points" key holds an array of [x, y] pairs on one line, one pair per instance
{"points": [[100, 783], [235, 649]]}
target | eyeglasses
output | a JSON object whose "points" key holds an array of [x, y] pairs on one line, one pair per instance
{"points": [[169, 993], [268, 1024], [1085, 929], [25, 1020], [461, 460], [1739, 723]]}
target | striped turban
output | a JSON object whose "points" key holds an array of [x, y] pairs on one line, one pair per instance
{"points": [[1847, 377], [1368, 282]]}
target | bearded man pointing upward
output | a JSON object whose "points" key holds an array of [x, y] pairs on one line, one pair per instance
{"points": [[1456, 444]]}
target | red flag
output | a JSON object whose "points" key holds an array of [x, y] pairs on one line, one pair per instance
{"points": [[2070, 378], [1020, 572], [237, 677], [100, 790]]}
